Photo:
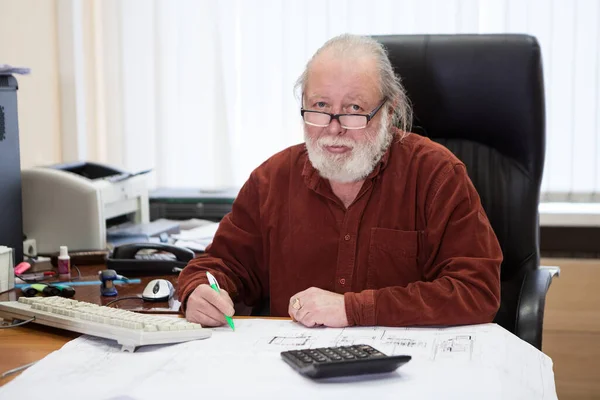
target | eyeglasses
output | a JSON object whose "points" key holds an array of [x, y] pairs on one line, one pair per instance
{"points": [[347, 121]]}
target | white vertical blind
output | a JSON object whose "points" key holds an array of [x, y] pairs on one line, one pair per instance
{"points": [[202, 91], [584, 100]]}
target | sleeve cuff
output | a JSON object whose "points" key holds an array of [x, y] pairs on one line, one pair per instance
{"points": [[360, 308]]}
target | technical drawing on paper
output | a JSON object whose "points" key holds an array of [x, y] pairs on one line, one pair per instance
{"points": [[456, 346], [283, 340], [392, 341], [293, 341], [357, 336]]}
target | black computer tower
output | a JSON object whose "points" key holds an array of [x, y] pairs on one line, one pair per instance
{"points": [[11, 217]]}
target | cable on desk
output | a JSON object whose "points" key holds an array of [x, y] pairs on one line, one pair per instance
{"points": [[9, 290], [78, 272], [122, 298], [17, 324]]}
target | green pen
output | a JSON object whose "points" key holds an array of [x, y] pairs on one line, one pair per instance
{"points": [[215, 285]]}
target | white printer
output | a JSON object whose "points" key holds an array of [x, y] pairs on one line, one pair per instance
{"points": [[74, 204]]}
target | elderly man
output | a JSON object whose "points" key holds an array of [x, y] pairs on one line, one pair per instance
{"points": [[363, 224]]}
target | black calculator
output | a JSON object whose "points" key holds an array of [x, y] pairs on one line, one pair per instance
{"points": [[336, 361]]}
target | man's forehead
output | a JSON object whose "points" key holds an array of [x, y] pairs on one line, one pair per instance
{"points": [[349, 64], [359, 76], [363, 95]]}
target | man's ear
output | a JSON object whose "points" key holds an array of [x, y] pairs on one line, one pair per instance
{"points": [[392, 108]]}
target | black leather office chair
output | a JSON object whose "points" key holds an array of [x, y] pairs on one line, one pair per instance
{"points": [[482, 96]]}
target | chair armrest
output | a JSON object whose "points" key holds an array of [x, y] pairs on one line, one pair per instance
{"points": [[530, 312]]}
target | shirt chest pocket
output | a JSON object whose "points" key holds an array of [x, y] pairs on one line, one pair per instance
{"points": [[393, 258]]}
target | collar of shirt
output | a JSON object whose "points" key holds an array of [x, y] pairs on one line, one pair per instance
{"points": [[312, 177]]}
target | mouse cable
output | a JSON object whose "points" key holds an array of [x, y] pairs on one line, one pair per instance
{"points": [[122, 298], [8, 290], [78, 272], [17, 324]]}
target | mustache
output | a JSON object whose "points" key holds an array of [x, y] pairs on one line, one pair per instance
{"points": [[335, 141]]}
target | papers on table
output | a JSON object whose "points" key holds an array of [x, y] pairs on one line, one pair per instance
{"points": [[469, 362], [197, 238]]}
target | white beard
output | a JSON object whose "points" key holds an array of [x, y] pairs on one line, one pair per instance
{"points": [[350, 166]]}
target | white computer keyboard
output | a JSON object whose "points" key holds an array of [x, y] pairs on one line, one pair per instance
{"points": [[128, 328]]}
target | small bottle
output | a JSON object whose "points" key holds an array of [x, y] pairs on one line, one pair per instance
{"points": [[64, 263]]}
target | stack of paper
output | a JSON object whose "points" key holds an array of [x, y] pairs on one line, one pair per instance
{"points": [[197, 238]]}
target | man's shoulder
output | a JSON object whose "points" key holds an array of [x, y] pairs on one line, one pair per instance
{"points": [[282, 162], [424, 152], [289, 155]]}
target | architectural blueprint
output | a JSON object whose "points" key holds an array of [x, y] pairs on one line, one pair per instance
{"points": [[436, 344], [468, 362]]}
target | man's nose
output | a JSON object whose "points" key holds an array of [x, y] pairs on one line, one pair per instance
{"points": [[335, 128]]}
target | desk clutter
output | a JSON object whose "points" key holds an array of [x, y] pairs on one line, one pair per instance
{"points": [[174, 358], [93, 207], [468, 362]]}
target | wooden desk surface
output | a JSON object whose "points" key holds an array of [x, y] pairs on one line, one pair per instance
{"points": [[32, 342]]}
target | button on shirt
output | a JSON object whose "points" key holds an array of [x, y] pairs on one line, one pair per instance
{"points": [[414, 248]]}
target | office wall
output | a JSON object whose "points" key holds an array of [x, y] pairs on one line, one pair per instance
{"points": [[28, 33]]}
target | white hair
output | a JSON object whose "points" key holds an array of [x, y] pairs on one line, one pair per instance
{"points": [[390, 85]]}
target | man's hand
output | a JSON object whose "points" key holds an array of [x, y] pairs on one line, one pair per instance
{"points": [[314, 307], [206, 307]]}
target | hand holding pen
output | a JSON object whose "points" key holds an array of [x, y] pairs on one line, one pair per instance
{"points": [[210, 306]]}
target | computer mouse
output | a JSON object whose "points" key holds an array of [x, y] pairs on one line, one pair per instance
{"points": [[158, 290]]}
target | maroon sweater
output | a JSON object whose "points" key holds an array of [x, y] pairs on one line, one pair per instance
{"points": [[414, 248]]}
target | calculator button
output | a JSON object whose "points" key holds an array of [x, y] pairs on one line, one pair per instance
{"points": [[336, 355], [358, 352], [318, 357], [304, 358]]}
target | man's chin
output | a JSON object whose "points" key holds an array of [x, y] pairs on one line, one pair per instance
{"points": [[342, 177], [336, 158], [338, 172], [334, 167]]}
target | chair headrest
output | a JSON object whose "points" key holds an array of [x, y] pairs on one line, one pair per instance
{"points": [[484, 88]]}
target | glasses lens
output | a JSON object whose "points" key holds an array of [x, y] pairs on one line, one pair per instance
{"points": [[316, 118], [353, 121]]}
